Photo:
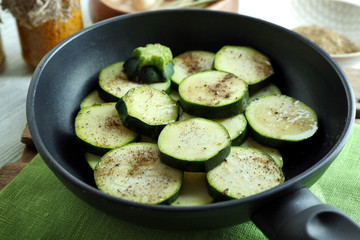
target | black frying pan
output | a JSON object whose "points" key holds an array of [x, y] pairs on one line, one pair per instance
{"points": [[69, 72]]}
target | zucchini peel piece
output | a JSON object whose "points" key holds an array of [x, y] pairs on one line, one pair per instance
{"points": [[150, 64]]}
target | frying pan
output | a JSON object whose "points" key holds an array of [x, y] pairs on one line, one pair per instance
{"points": [[290, 211]]}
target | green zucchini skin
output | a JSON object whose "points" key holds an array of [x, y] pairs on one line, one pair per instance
{"points": [[137, 123], [281, 145], [213, 110], [106, 96], [176, 143], [195, 166], [150, 75], [245, 172], [130, 66]]}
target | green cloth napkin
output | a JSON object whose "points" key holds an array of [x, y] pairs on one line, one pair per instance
{"points": [[35, 205]]}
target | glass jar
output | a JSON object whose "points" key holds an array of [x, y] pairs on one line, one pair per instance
{"points": [[36, 41]]}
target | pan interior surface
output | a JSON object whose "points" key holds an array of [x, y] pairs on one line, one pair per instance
{"points": [[68, 73]]}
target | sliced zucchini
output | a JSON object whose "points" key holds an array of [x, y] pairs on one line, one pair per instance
{"points": [[277, 120], [150, 64], [270, 89], [191, 62], [134, 172], [193, 191], [92, 159], [174, 95], [245, 62], [113, 83], [99, 129], [236, 126], [213, 94], [147, 110], [245, 172], [91, 99], [273, 152], [194, 145], [184, 115]]}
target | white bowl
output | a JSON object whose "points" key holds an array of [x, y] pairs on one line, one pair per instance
{"points": [[343, 17]]}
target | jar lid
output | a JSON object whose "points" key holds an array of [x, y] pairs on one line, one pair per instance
{"points": [[33, 13]]}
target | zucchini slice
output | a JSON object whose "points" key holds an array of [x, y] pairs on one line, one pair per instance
{"points": [[114, 84], [269, 89], [193, 191], [236, 126], [273, 152], [99, 129], [194, 145], [91, 99], [174, 95], [147, 110], [245, 62], [213, 94], [191, 62], [134, 172], [277, 120], [92, 159], [245, 172]]}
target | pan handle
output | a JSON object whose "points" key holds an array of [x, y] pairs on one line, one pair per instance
{"points": [[301, 215]]}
